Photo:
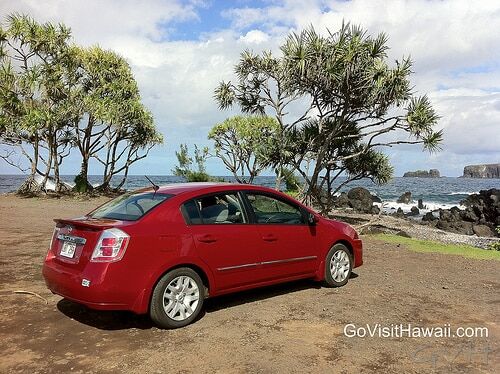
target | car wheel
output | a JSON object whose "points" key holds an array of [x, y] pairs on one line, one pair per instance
{"points": [[338, 266], [177, 298]]}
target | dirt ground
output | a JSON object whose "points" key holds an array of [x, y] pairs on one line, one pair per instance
{"points": [[292, 328]]}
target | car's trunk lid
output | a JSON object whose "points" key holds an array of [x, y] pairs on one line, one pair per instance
{"points": [[74, 240]]}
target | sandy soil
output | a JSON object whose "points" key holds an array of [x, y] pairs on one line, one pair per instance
{"points": [[292, 328]]}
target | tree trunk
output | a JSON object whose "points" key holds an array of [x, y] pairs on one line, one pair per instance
{"points": [[82, 183], [279, 177], [49, 164], [55, 158], [34, 161]]}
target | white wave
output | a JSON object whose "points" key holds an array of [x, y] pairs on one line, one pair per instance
{"points": [[463, 193], [393, 206]]}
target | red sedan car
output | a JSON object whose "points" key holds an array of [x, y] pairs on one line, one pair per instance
{"points": [[164, 250]]}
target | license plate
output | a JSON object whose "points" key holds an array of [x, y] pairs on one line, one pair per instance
{"points": [[68, 249]]}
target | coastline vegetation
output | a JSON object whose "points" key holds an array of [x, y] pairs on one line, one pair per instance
{"points": [[57, 98]]}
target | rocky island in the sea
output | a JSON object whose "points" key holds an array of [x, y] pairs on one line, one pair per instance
{"points": [[433, 173], [482, 171]]}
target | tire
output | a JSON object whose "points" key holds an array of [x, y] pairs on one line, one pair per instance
{"points": [[177, 298], [338, 266]]}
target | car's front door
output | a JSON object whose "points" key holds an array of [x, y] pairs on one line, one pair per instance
{"points": [[288, 242], [224, 239]]}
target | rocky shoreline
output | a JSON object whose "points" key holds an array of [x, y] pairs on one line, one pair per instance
{"points": [[474, 225], [369, 224]]}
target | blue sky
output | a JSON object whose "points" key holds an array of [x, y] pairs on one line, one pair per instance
{"points": [[180, 50]]}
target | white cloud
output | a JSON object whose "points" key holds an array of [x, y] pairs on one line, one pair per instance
{"points": [[97, 22], [254, 37]]}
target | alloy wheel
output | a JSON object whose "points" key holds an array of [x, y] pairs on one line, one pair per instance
{"points": [[181, 297]]}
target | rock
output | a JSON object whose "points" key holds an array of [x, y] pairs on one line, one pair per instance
{"points": [[341, 201], [359, 193], [450, 215], [433, 173], [469, 215], [429, 217], [482, 213], [455, 212], [375, 209], [414, 211], [443, 225], [459, 227], [485, 205], [421, 204], [482, 171], [376, 199], [403, 234], [399, 213], [405, 198], [483, 230], [360, 199]]}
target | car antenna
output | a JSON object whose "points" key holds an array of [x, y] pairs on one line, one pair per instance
{"points": [[155, 186]]}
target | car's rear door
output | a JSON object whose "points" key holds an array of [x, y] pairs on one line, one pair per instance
{"points": [[289, 245], [224, 239]]}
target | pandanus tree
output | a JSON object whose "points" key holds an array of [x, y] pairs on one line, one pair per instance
{"points": [[115, 128], [352, 105], [56, 97], [35, 99]]}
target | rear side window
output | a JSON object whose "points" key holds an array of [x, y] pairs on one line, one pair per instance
{"points": [[214, 209], [191, 213], [130, 207]]}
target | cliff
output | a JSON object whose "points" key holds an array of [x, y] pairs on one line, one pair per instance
{"points": [[433, 173], [482, 171]]}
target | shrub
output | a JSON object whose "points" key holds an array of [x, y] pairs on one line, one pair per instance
{"points": [[496, 245]]}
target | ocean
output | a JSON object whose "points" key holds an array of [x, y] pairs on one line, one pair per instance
{"points": [[435, 192]]}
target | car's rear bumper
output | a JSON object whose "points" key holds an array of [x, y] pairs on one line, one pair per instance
{"points": [[101, 292]]}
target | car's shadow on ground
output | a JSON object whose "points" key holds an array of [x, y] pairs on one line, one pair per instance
{"points": [[104, 320], [122, 320], [250, 296]]}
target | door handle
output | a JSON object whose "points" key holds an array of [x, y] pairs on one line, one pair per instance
{"points": [[270, 238], [207, 238]]}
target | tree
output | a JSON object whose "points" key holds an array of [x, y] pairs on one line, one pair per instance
{"points": [[114, 125], [352, 105], [55, 97], [185, 167], [245, 144], [35, 104]]}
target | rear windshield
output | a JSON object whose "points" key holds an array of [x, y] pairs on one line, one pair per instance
{"points": [[130, 207]]}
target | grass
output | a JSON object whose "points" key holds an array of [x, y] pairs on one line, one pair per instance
{"points": [[429, 246]]}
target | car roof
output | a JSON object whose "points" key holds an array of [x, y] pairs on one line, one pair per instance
{"points": [[179, 188]]}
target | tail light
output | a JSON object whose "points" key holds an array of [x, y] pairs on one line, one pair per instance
{"points": [[54, 234], [111, 246]]}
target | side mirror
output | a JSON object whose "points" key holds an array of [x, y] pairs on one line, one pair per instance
{"points": [[311, 219]]}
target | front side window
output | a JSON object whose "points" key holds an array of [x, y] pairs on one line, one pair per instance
{"points": [[130, 206], [214, 209], [270, 210]]}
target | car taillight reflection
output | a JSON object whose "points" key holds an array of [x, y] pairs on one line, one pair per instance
{"points": [[111, 246]]}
